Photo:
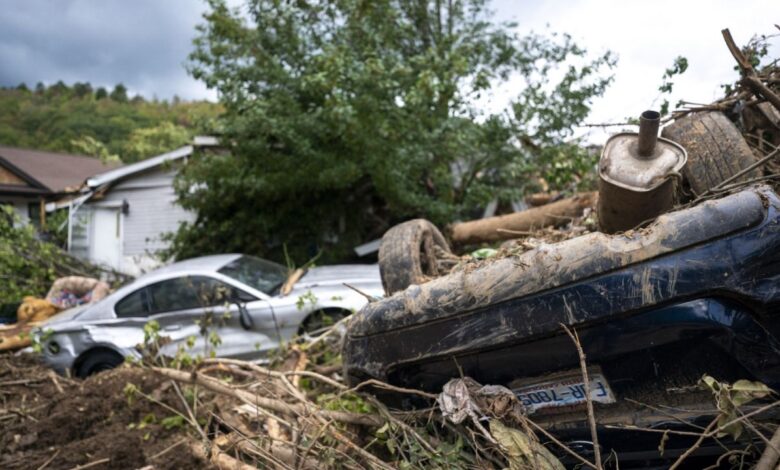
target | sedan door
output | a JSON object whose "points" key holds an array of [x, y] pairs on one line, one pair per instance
{"points": [[201, 316]]}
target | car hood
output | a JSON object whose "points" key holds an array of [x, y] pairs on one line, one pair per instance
{"points": [[66, 315], [358, 274]]}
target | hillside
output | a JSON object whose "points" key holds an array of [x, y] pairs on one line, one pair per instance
{"points": [[99, 122]]}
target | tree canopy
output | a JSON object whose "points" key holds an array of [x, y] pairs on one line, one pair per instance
{"points": [[345, 116]]}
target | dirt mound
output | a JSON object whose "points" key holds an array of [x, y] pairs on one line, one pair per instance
{"points": [[56, 422]]}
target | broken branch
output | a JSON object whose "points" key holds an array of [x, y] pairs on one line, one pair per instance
{"points": [[504, 227]]}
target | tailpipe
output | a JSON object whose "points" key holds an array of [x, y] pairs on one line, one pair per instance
{"points": [[648, 133]]}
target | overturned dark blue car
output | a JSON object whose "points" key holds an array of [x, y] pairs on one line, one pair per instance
{"points": [[696, 292]]}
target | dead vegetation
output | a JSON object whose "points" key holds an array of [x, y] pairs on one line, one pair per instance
{"points": [[297, 413]]}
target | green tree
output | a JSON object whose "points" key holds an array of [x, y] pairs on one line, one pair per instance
{"points": [[345, 116], [75, 121], [151, 141], [88, 145], [119, 93], [82, 89]]}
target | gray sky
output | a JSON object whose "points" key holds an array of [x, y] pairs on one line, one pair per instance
{"points": [[144, 44], [647, 36]]}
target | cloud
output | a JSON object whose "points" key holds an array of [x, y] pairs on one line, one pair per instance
{"points": [[143, 44], [647, 36]]}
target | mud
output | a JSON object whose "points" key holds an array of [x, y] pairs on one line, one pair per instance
{"points": [[64, 423], [553, 265]]}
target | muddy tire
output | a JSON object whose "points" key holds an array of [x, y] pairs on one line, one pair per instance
{"points": [[716, 149], [98, 361], [407, 254]]}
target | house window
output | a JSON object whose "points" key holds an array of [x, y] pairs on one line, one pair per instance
{"points": [[34, 214]]}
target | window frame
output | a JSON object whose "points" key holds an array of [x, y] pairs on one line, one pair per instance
{"points": [[145, 299], [151, 308]]}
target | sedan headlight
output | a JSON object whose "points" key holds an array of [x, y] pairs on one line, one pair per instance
{"points": [[53, 347]]}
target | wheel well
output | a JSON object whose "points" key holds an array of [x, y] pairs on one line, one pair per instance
{"points": [[89, 352], [323, 311]]}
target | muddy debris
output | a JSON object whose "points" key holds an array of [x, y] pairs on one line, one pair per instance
{"points": [[50, 421]]}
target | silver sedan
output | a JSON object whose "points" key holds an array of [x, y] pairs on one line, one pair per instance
{"points": [[223, 305]]}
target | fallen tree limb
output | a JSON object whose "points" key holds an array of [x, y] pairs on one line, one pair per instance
{"points": [[220, 459], [279, 406], [497, 228], [750, 78], [276, 374], [770, 456]]}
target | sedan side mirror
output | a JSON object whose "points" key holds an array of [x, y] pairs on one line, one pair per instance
{"points": [[244, 317]]}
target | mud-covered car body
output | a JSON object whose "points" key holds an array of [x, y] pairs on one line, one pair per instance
{"points": [[696, 292], [86, 339]]}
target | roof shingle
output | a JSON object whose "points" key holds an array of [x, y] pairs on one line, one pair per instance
{"points": [[57, 172]]}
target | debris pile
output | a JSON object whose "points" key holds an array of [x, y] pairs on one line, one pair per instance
{"points": [[66, 292], [53, 422], [296, 412]]}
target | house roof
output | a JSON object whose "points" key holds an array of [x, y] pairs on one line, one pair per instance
{"points": [[133, 168], [50, 172]]}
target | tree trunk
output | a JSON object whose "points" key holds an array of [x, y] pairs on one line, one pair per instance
{"points": [[505, 227]]}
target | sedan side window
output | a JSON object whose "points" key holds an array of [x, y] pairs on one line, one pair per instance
{"points": [[191, 292], [173, 294], [133, 305]]}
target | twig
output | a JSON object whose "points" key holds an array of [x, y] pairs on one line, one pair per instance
{"points": [[56, 382], [609, 124], [20, 382], [330, 331], [563, 446], [91, 464], [49, 460], [726, 455], [748, 73], [740, 173], [586, 383], [392, 388], [187, 408], [275, 374], [742, 61], [167, 449], [695, 445], [523, 233], [770, 456], [270, 403], [369, 297], [222, 460], [758, 87]]}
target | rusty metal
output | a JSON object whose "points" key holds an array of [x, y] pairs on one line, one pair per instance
{"points": [[648, 133], [637, 176]]}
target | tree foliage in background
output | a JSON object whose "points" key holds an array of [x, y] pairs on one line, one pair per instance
{"points": [[29, 264], [345, 116], [20, 275], [99, 123]]}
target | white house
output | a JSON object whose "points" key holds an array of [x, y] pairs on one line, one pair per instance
{"points": [[119, 218]]}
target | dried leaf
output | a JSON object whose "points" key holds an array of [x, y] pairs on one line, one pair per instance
{"points": [[522, 450]]}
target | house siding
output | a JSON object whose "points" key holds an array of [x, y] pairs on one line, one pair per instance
{"points": [[152, 213]]}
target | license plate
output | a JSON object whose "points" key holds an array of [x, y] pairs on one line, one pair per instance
{"points": [[565, 390]]}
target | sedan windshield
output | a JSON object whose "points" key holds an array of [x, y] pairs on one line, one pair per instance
{"points": [[263, 275]]}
